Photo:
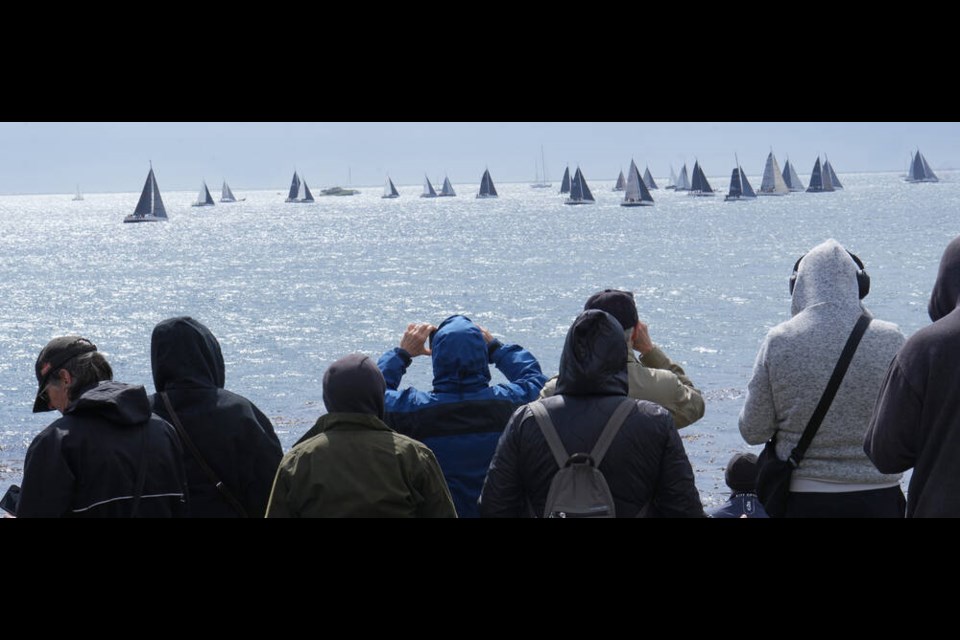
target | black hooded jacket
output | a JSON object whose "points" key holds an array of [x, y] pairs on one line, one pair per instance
{"points": [[87, 463], [646, 463], [234, 437], [916, 421]]}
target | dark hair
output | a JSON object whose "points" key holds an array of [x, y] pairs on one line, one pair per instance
{"points": [[87, 370]]}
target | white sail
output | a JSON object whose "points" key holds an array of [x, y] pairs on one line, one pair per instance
{"points": [[204, 199], [621, 182], [226, 195], [790, 177], [673, 179], [389, 190], [648, 179], [428, 190], [447, 190], [772, 183], [683, 182], [828, 170], [636, 192]]}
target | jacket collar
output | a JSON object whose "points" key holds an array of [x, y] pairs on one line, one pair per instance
{"points": [[356, 421]]}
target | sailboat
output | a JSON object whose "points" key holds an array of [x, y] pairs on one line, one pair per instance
{"points": [[791, 179], [150, 206], [79, 195], [819, 180], [565, 183], [540, 180], [389, 190], [447, 190], [636, 194], [683, 182], [648, 179], [828, 169], [226, 195], [773, 183], [673, 180], [699, 186], [740, 188], [579, 191], [920, 171], [428, 190], [204, 199], [487, 190], [299, 191], [621, 182]]}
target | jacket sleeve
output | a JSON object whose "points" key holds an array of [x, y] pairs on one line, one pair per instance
{"points": [[502, 494], [758, 419], [522, 370], [437, 502], [264, 458], [48, 484], [676, 495], [668, 386], [894, 433], [393, 364], [279, 504]]}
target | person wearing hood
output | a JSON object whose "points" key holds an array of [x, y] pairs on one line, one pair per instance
{"points": [[741, 478], [790, 375], [916, 420], [107, 456], [235, 442], [646, 466], [351, 464], [463, 416]]}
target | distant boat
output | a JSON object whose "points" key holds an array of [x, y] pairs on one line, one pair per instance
{"points": [[299, 191], [648, 179], [791, 179], [637, 194], [819, 180], [447, 190], [204, 199], [828, 169], [487, 190], [683, 182], [226, 195], [390, 191], [540, 179], [773, 183], [920, 171], [338, 191], [621, 182], [579, 191], [699, 185], [565, 183], [740, 188], [79, 195], [428, 190], [673, 179], [150, 207]]}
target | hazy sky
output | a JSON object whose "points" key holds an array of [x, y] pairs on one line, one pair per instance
{"points": [[53, 157]]}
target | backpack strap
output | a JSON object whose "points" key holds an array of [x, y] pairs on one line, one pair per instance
{"points": [[610, 431], [549, 432]]}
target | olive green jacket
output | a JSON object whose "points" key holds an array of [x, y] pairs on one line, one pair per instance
{"points": [[660, 380], [354, 465]]}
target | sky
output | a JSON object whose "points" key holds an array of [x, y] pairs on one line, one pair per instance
{"points": [[107, 157]]}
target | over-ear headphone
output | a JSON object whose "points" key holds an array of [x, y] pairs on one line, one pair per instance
{"points": [[863, 278]]}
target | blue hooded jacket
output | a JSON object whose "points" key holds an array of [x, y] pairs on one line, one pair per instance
{"points": [[462, 417]]}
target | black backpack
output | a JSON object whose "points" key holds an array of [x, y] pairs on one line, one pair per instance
{"points": [[578, 489]]}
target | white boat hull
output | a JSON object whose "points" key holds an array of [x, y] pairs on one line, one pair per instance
{"points": [[143, 219], [569, 201]]}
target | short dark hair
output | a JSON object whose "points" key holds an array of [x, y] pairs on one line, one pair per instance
{"points": [[87, 370]]}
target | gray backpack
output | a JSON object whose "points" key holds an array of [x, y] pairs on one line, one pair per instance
{"points": [[578, 489]]}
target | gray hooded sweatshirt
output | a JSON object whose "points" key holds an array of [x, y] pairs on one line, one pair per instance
{"points": [[795, 363]]}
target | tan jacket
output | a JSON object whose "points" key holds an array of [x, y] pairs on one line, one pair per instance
{"points": [[660, 380]]}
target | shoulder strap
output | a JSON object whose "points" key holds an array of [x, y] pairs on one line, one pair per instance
{"points": [[211, 476], [838, 372], [549, 432], [610, 431]]}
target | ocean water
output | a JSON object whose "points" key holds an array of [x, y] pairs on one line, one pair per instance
{"points": [[289, 288]]}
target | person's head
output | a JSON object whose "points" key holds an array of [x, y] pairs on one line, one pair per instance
{"points": [[946, 290], [621, 305], [184, 353], [592, 361], [65, 367], [741, 473], [828, 273], [459, 353], [354, 384]]}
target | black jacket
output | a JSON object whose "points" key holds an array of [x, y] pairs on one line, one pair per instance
{"points": [[646, 463], [916, 421], [235, 438], [87, 463]]}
